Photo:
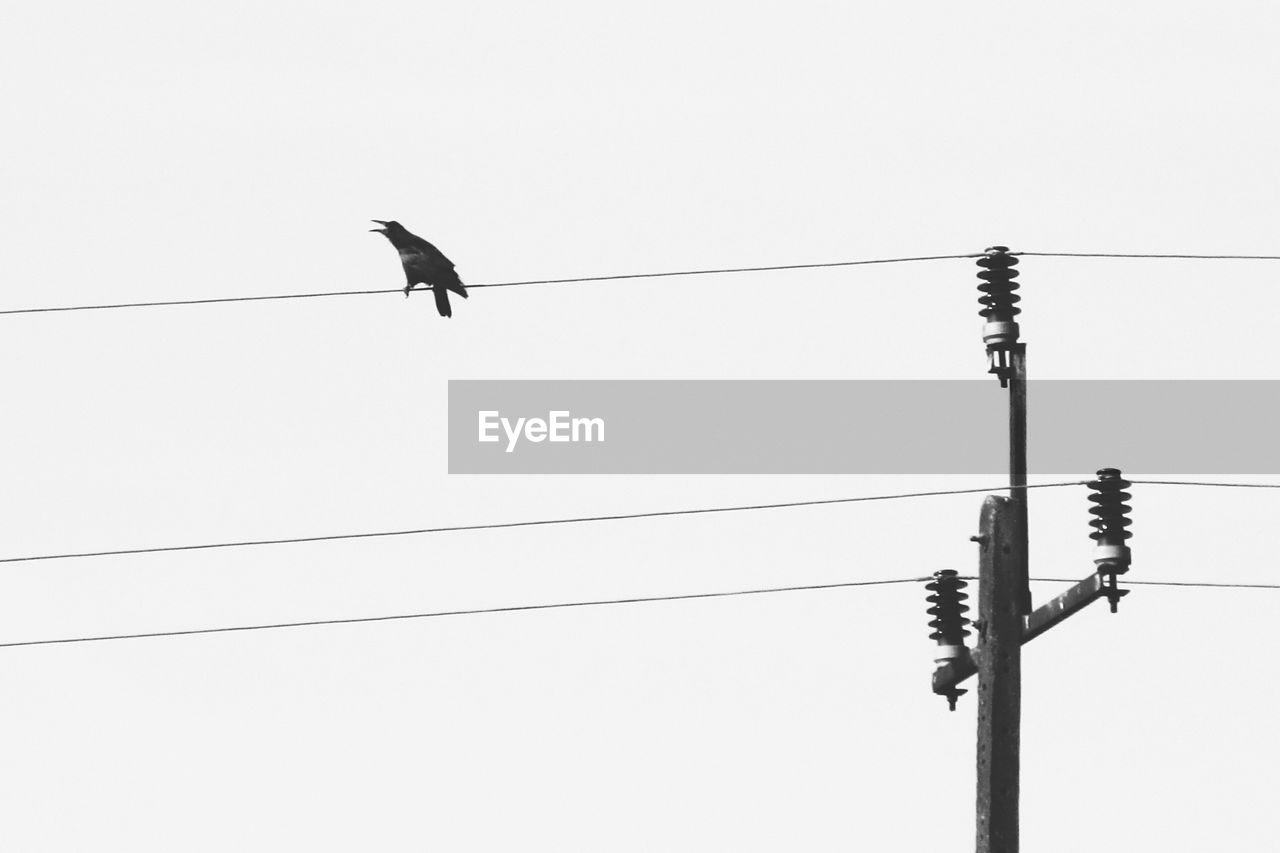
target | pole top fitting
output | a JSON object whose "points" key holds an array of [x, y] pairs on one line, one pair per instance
{"points": [[999, 302]]}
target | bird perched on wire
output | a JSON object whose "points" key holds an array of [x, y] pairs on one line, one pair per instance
{"points": [[424, 264]]}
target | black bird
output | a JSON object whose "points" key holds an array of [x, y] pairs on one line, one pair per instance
{"points": [[424, 264]]}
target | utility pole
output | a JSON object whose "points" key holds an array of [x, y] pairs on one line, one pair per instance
{"points": [[1006, 619], [1004, 591], [999, 664]]}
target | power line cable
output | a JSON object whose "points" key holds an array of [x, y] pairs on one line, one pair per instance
{"points": [[592, 518], [472, 612], [1201, 483], [1127, 255], [536, 523], [730, 270], [1202, 584], [567, 604], [584, 279]]}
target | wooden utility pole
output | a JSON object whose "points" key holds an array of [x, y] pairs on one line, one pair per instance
{"points": [[999, 664]]}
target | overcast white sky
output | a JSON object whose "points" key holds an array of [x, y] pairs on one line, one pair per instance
{"points": [[174, 151]]}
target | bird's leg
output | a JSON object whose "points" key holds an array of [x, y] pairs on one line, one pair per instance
{"points": [[407, 288]]}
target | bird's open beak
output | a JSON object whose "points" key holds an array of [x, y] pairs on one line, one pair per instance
{"points": [[379, 230]]}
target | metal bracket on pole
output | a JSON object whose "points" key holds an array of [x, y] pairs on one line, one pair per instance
{"points": [[948, 676], [1067, 604]]}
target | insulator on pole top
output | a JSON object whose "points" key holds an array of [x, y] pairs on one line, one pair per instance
{"points": [[1110, 529], [999, 307]]}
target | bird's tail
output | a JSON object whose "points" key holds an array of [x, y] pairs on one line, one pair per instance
{"points": [[442, 301]]}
